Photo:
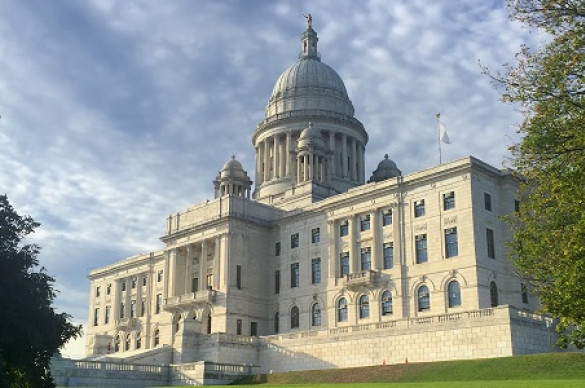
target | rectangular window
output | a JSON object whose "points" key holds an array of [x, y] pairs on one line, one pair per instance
{"points": [[277, 249], [132, 309], [294, 240], [96, 314], [451, 244], [365, 223], [388, 255], [239, 277], [124, 285], [97, 292], [239, 327], [315, 235], [134, 280], [487, 200], [449, 200], [277, 282], [159, 276], [419, 208], [387, 218], [344, 264], [524, 292], [491, 248], [109, 289], [343, 229], [366, 258], [294, 275], [421, 249], [144, 281], [316, 271], [107, 320], [143, 307], [210, 281], [254, 328], [195, 285], [121, 310], [158, 303]]}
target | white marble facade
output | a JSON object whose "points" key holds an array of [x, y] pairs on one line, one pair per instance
{"points": [[315, 249]]}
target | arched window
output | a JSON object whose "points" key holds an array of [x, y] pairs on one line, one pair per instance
{"points": [[386, 303], [127, 342], [276, 326], [316, 315], [294, 317], [364, 307], [454, 292], [494, 294], [342, 310], [138, 340], [156, 337], [424, 299]]}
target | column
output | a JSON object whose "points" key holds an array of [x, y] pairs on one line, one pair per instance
{"points": [[172, 272], [353, 259], [344, 155], [299, 169], [287, 155], [360, 162], [223, 262], [203, 267], [377, 245], [276, 158], [188, 269], [307, 167], [353, 159], [266, 161], [115, 312], [333, 253], [332, 156], [257, 176], [216, 263]]}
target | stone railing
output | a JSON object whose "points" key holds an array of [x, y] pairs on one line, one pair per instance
{"points": [[368, 278], [192, 299]]}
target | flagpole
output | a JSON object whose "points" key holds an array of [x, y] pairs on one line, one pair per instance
{"points": [[438, 116]]}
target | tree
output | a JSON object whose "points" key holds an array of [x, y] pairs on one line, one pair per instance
{"points": [[549, 230], [30, 329]]}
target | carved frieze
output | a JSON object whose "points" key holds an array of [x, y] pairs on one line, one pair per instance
{"points": [[420, 227], [450, 220]]}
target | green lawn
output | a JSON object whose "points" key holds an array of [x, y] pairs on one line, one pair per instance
{"points": [[457, 384]]}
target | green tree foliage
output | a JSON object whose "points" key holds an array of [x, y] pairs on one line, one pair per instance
{"points": [[549, 230], [30, 329]]}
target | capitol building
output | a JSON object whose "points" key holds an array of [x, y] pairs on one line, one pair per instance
{"points": [[314, 263]]}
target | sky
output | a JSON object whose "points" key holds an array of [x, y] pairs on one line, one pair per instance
{"points": [[115, 114]]}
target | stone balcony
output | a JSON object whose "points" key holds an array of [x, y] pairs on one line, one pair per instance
{"points": [[126, 324], [368, 278], [193, 299]]}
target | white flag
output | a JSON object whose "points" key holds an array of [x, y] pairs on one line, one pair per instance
{"points": [[443, 134]]}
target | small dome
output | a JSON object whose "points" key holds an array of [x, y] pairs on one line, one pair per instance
{"points": [[386, 169], [311, 136], [233, 169]]}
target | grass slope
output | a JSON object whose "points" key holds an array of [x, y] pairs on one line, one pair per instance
{"points": [[552, 366]]}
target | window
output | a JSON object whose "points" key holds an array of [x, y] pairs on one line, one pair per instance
{"points": [[494, 294], [138, 340], [158, 303], [294, 240], [419, 208], [159, 276], [421, 249], [97, 292], [294, 317], [117, 343], [194, 284], [342, 310], [454, 293], [239, 327], [294, 275], [449, 200], [491, 248], [451, 245], [524, 292], [132, 309], [254, 328], [276, 323], [277, 249], [487, 201], [386, 303], [344, 229], [210, 281], [133, 281], [316, 271], [424, 299], [364, 307], [127, 342], [96, 314], [108, 309], [143, 307], [277, 282], [121, 310], [388, 255], [124, 285], [156, 337], [316, 315], [365, 223], [109, 289], [144, 281], [344, 263], [239, 277], [387, 217], [366, 258], [315, 235]]}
